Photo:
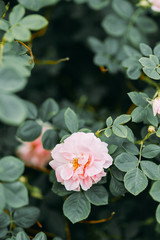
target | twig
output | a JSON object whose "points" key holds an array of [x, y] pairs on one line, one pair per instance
{"points": [[50, 62], [67, 230], [99, 221], [29, 50]]}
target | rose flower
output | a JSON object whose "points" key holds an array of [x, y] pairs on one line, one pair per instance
{"points": [[80, 161]]}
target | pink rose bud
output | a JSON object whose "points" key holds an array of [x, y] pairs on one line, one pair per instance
{"points": [[155, 5], [144, 3], [80, 161], [33, 153], [151, 129], [156, 106]]}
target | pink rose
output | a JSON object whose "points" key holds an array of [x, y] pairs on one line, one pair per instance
{"points": [[156, 106], [80, 161], [33, 153], [155, 5]]}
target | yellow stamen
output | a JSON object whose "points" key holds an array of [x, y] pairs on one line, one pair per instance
{"points": [[75, 163]]}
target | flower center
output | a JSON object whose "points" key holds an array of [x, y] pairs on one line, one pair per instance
{"points": [[75, 163]]}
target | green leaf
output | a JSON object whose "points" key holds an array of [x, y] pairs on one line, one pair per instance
{"points": [[130, 135], [12, 110], [139, 114], [109, 121], [112, 148], [135, 36], [135, 181], [21, 33], [100, 60], [95, 44], [9, 36], [150, 117], [119, 175], [16, 14], [139, 99], [134, 72], [119, 130], [114, 25], [123, 8], [108, 132], [49, 139], [22, 236], [29, 131], [131, 52], [117, 188], [98, 4], [71, 120], [34, 22], [145, 49], [4, 25], [151, 170], [2, 197], [155, 191], [40, 236], [4, 220], [16, 194], [3, 233], [158, 70], [48, 109], [151, 72], [150, 151], [154, 59], [156, 50], [37, 5], [2, 8], [11, 80], [26, 217], [158, 132], [146, 24], [11, 168], [111, 46], [31, 110], [130, 148], [124, 118], [146, 62], [126, 161], [97, 195], [76, 207], [158, 214], [57, 187], [58, 238]]}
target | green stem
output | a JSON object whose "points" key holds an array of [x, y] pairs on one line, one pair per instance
{"points": [[151, 82], [140, 153], [141, 142], [99, 131]]}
